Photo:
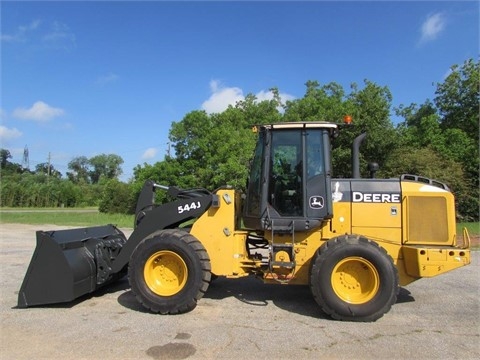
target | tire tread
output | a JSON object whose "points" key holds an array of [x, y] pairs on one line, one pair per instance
{"points": [[191, 242], [326, 251]]}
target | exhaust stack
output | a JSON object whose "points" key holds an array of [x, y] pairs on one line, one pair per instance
{"points": [[356, 155]]}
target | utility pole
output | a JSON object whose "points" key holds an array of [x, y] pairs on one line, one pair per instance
{"points": [[48, 168], [48, 177], [168, 149]]}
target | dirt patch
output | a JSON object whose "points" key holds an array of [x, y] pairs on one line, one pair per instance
{"points": [[475, 242]]}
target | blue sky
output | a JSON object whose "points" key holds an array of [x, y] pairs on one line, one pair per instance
{"points": [[86, 78]]}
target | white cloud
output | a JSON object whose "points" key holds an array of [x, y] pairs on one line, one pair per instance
{"points": [[150, 153], [105, 79], [222, 97], [20, 34], [59, 37], [264, 95], [432, 26], [39, 111], [268, 95], [55, 36], [7, 134]]}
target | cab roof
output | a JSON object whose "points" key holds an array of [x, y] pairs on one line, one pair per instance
{"points": [[300, 125]]}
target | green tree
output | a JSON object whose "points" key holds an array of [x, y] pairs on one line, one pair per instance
{"points": [[116, 198], [449, 127], [427, 162], [421, 125], [71, 195], [422, 128], [79, 167], [325, 103], [424, 162], [4, 156], [167, 173], [107, 166], [254, 112], [320, 103], [457, 98], [371, 106], [47, 169], [8, 167], [212, 150]]}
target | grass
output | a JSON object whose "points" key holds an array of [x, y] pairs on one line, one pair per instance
{"points": [[474, 232], [473, 228], [67, 217]]}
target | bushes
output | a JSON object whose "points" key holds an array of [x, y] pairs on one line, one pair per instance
{"points": [[117, 198], [39, 190]]}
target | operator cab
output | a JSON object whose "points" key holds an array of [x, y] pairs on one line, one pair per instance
{"points": [[289, 188]]}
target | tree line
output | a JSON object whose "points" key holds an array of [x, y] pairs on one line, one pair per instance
{"points": [[438, 139], [45, 187]]}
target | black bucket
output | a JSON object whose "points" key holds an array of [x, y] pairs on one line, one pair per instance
{"points": [[67, 264]]}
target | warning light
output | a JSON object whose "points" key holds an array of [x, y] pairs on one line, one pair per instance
{"points": [[347, 119]]}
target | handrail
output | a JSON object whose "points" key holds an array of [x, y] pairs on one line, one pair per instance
{"points": [[466, 239]]}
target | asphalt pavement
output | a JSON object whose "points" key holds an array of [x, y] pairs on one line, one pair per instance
{"points": [[436, 318]]}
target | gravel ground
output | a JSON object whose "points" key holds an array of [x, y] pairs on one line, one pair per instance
{"points": [[435, 318]]}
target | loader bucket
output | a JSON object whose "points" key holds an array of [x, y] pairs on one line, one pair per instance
{"points": [[67, 264]]}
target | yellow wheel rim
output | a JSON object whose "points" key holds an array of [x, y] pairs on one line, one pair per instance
{"points": [[355, 280], [165, 273]]}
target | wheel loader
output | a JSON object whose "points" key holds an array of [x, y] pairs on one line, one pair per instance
{"points": [[353, 241]]}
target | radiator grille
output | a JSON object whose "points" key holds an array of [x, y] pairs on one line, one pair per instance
{"points": [[427, 219]]}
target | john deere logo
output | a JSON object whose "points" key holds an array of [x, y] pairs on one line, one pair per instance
{"points": [[316, 202]]}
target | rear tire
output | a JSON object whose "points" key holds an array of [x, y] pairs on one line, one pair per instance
{"points": [[169, 272], [353, 279]]}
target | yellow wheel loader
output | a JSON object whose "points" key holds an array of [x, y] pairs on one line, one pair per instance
{"points": [[354, 242]]}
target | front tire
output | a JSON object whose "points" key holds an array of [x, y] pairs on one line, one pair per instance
{"points": [[354, 279], [169, 272]]}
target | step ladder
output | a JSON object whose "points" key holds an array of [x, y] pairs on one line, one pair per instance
{"points": [[282, 255]]}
